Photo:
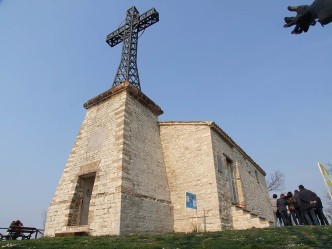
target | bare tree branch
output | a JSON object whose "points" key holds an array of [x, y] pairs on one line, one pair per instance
{"points": [[276, 181]]}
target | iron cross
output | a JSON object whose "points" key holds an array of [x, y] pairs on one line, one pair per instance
{"points": [[128, 34]]}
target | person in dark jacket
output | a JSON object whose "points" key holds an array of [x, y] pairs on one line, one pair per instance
{"points": [[298, 208], [308, 202], [291, 204], [319, 212], [282, 208]]}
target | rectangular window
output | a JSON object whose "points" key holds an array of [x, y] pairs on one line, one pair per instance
{"points": [[256, 174], [232, 181], [219, 163]]}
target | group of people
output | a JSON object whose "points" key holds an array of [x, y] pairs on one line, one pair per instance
{"points": [[303, 207]]}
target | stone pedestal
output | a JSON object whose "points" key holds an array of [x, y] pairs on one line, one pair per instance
{"points": [[114, 181]]}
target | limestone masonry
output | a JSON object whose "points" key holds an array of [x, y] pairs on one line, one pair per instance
{"points": [[128, 174]]}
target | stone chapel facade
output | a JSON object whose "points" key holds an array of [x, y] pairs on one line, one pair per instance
{"points": [[128, 174]]}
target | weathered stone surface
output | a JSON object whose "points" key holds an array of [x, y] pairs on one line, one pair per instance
{"points": [[115, 143], [190, 151], [142, 169]]}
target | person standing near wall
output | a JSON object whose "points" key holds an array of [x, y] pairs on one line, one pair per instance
{"points": [[274, 208], [282, 208]]}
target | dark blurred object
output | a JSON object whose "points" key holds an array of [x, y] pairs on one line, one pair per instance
{"points": [[307, 15]]}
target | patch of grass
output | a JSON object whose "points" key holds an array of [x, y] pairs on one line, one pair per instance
{"points": [[281, 237]]}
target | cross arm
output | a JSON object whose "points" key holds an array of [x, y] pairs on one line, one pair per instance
{"points": [[145, 20], [116, 36]]}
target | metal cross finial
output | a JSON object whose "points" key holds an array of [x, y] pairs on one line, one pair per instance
{"points": [[128, 34]]}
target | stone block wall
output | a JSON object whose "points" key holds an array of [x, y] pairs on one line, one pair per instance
{"points": [[223, 150], [254, 190], [250, 178], [196, 155], [119, 144], [145, 204], [190, 168], [97, 150]]}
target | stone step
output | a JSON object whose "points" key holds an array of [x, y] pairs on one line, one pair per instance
{"points": [[243, 219]]}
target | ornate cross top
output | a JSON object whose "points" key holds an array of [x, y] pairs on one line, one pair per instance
{"points": [[128, 34]]}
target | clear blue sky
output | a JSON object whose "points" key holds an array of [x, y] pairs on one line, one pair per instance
{"points": [[231, 62]]}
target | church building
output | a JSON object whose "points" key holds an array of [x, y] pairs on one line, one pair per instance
{"points": [[129, 174]]}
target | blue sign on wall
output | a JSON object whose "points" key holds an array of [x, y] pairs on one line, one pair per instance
{"points": [[191, 201]]}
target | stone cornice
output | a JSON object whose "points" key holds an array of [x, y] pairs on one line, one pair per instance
{"points": [[133, 91]]}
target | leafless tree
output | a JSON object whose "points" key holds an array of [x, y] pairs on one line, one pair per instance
{"points": [[276, 181]]}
